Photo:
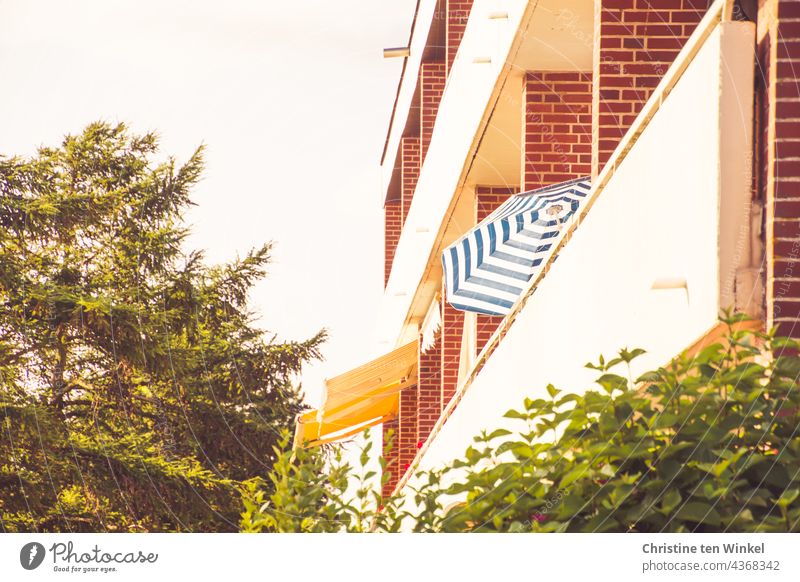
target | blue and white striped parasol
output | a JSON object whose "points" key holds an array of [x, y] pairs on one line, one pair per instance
{"points": [[488, 269]]}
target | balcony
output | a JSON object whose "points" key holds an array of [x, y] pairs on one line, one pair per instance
{"points": [[661, 249], [476, 138]]}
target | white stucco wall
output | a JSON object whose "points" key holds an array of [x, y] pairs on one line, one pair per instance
{"points": [[658, 218]]}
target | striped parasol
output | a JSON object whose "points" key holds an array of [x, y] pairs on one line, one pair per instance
{"points": [[488, 269]]}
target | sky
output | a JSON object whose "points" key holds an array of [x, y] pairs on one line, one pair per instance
{"points": [[291, 99]]}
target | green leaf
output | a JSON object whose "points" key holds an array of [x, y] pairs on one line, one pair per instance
{"points": [[670, 500], [788, 366], [628, 356], [500, 432], [516, 414], [601, 523], [788, 497], [579, 472], [612, 382], [699, 512], [653, 376]]}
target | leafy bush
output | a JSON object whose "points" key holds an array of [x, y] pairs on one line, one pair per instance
{"points": [[708, 443]]}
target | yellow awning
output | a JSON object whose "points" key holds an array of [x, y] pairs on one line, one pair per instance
{"points": [[360, 398]]}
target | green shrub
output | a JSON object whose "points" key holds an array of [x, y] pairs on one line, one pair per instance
{"points": [[709, 443]]}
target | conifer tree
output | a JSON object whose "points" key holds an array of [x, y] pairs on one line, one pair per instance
{"points": [[136, 388]]}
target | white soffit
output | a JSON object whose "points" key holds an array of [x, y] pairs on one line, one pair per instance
{"points": [[558, 38]]}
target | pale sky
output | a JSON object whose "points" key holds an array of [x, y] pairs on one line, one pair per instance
{"points": [[292, 100]]}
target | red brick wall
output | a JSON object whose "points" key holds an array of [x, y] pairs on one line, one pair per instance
{"points": [[419, 410], [407, 438], [557, 127], [409, 171], [780, 151], [488, 199], [452, 333], [392, 458], [432, 78], [457, 15], [635, 42], [392, 225], [429, 388]]}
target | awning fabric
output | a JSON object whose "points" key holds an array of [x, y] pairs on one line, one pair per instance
{"points": [[488, 269], [360, 398]]}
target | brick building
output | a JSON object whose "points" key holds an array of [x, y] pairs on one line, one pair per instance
{"points": [[682, 114]]}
